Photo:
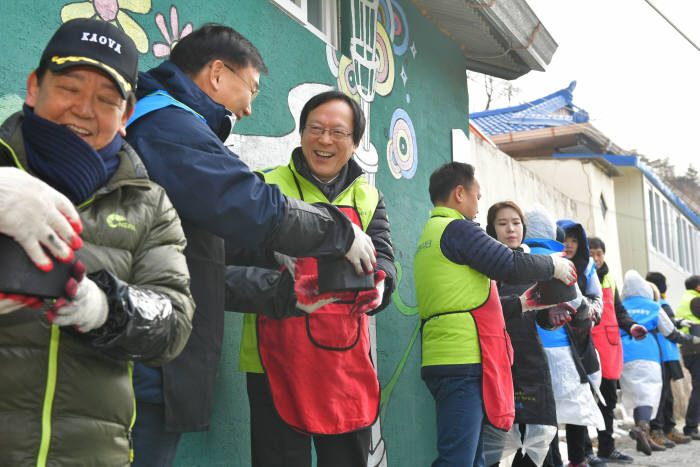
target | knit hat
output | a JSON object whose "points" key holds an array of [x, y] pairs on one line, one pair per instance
{"points": [[539, 223], [636, 286]]}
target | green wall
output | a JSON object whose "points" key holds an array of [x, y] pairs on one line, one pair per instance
{"points": [[423, 109]]}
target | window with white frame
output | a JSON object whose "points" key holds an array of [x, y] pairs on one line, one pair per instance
{"points": [[681, 244], [653, 214], [318, 16], [659, 222], [672, 233], [693, 238], [668, 247]]}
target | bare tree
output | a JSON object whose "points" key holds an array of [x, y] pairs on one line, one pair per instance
{"points": [[496, 90]]}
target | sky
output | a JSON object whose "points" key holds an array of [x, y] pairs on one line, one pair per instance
{"points": [[636, 76]]}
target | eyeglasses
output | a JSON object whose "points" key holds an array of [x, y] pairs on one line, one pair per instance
{"points": [[336, 134], [253, 91]]}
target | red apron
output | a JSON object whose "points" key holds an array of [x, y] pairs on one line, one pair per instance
{"points": [[321, 376], [496, 360], [606, 338]]}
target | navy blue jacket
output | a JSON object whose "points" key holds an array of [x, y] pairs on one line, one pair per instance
{"points": [[217, 197], [183, 153]]}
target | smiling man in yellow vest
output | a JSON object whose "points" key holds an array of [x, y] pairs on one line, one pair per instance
{"points": [[466, 351]]}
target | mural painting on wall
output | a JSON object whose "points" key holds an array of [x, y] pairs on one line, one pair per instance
{"points": [[115, 12], [380, 34], [401, 149], [392, 38], [160, 49], [351, 76]]}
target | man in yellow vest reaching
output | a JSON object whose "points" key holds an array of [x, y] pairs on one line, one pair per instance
{"points": [[466, 350], [689, 310]]}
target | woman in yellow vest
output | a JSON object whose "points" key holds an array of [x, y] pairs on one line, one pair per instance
{"points": [[466, 351], [312, 376]]}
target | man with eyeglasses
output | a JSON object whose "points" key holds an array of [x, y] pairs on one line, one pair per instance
{"points": [[186, 110], [328, 392]]}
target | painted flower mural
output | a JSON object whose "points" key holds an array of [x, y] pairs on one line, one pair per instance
{"points": [[160, 49], [114, 11]]}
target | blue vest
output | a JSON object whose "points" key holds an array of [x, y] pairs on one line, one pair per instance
{"points": [[644, 311], [556, 338], [669, 350], [155, 101]]}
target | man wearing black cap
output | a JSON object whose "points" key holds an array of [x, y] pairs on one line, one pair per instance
{"points": [[65, 375], [184, 114]]}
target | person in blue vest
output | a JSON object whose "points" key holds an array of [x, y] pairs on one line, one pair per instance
{"points": [[569, 369], [466, 351], [186, 109], [641, 380], [606, 338], [663, 429]]}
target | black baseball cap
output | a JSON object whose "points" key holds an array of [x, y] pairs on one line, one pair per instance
{"points": [[96, 43]]}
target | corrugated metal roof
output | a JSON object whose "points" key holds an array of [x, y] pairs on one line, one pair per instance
{"points": [[501, 38]]}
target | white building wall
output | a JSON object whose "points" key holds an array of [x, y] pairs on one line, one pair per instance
{"points": [[503, 178], [584, 183]]}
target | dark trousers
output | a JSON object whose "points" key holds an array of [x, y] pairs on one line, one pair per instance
{"points": [[153, 446], [273, 443], [606, 443], [553, 458], [664, 415], [692, 415], [576, 443]]}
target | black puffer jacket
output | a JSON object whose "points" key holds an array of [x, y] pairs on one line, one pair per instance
{"points": [[532, 382]]}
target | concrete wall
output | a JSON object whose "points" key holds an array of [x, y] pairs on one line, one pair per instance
{"points": [[503, 178], [421, 96], [631, 221], [584, 183]]}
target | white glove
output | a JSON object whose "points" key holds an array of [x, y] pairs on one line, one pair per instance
{"points": [[8, 305], [13, 302], [86, 310], [380, 288], [311, 307], [638, 332], [35, 214], [361, 253], [564, 270], [694, 340], [287, 261], [685, 323]]}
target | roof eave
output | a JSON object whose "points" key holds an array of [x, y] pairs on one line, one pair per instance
{"points": [[530, 40], [501, 38]]}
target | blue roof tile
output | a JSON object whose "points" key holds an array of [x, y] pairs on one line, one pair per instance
{"points": [[556, 109]]}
